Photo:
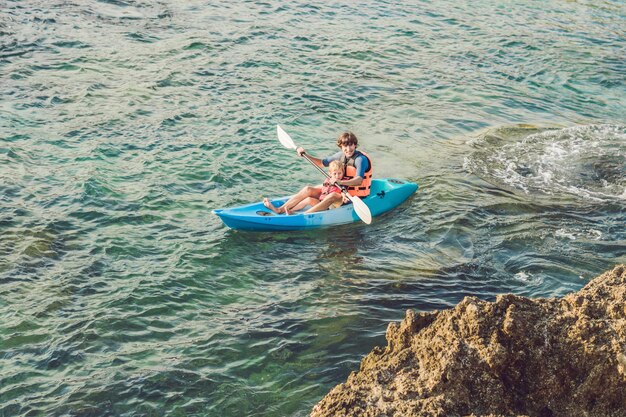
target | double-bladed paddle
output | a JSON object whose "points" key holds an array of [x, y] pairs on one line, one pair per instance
{"points": [[360, 207]]}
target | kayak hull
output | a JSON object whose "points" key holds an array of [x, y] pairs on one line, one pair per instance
{"points": [[385, 194]]}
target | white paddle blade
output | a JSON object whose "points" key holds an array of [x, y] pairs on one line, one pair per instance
{"points": [[284, 138], [361, 209]]}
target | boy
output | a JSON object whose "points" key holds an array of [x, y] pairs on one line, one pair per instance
{"points": [[330, 196]]}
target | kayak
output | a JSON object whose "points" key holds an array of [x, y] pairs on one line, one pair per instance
{"points": [[385, 194]]}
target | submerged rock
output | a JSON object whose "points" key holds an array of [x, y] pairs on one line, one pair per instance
{"points": [[514, 356]]}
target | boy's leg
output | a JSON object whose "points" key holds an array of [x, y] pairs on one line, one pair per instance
{"points": [[309, 201], [326, 202], [267, 203], [304, 193]]}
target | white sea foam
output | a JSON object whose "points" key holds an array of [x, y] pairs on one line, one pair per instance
{"points": [[573, 234], [528, 278], [587, 162]]}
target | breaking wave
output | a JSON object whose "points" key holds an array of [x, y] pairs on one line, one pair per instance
{"points": [[587, 162]]}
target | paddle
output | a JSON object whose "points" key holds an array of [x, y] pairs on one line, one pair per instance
{"points": [[360, 207]]}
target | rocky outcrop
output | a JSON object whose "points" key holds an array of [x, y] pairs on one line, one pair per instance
{"points": [[514, 356]]}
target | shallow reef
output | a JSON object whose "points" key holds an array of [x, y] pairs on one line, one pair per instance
{"points": [[512, 357]]}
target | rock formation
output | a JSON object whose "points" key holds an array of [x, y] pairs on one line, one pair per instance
{"points": [[515, 356]]}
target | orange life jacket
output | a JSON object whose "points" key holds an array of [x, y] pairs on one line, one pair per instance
{"points": [[362, 190], [327, 188]]}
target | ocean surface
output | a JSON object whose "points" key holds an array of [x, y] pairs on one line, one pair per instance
{"points": [[124, 123]]}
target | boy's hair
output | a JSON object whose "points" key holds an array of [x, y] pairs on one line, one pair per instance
{"points": [[347, 138], [335, 166]]}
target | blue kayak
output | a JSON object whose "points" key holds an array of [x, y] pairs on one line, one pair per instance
{"points": [[385, 195]]}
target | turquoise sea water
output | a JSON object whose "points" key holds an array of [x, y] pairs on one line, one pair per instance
{"points": [[124, 123]]}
